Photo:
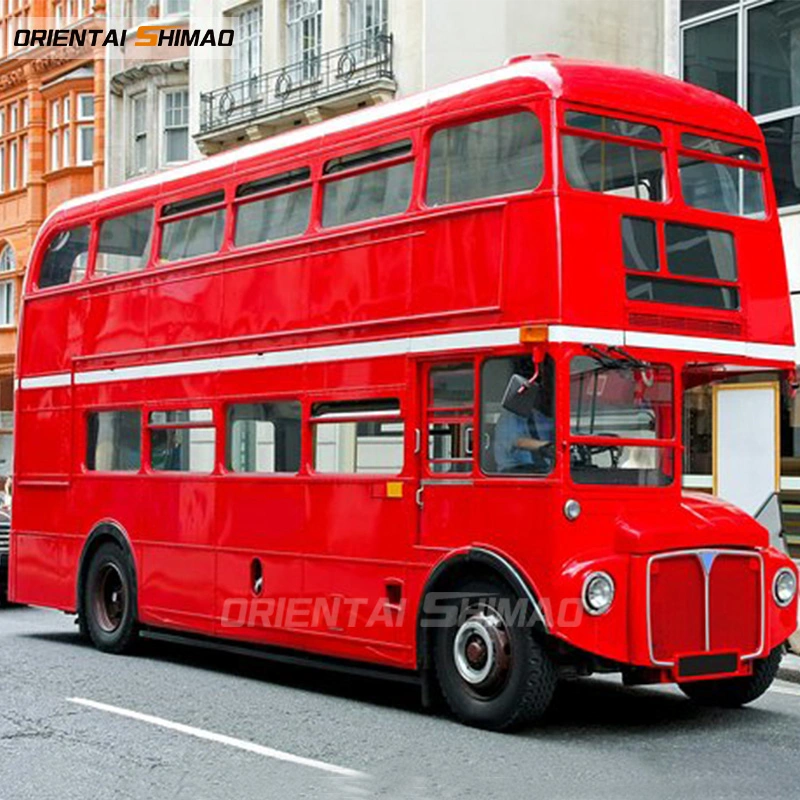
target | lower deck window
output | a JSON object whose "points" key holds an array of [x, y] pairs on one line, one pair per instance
{"points": [[264, 437], [113, 442], [182, 441], [358, 437]]}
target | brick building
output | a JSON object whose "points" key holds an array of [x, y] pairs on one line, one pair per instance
{"points": [[51, 148]]}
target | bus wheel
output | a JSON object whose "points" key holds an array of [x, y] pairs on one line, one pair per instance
{"points": [[735, 692], [108, 613], [492, 672]]}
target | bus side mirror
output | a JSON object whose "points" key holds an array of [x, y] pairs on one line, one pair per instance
{"points": [[520, 397]]}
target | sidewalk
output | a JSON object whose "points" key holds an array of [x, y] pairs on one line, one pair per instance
{"points": [[790, 668]]}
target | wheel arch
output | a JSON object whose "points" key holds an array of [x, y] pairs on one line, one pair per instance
{"points": [[107, 530], [471, 562]]}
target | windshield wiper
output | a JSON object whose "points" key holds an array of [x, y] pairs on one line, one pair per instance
{"points": [[632, 360]]}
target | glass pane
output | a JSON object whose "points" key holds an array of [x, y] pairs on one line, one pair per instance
{"points": [[66, 257], [483, 159], [355, 447], [183, 449], [182, 416], [720, 147], [700, 252], [773, 57], [698, 426], [264, 437], [193, 236], [177, 144], [596, 165], [693, 8], [452, 386], [639, 244], [783, 145], [510, 443], [709, 56], [722, 188], [124, 243], [620, 402], [450, 424], [379, 193], [612, 125], [273, 218], [113, 441], [682, 293]]}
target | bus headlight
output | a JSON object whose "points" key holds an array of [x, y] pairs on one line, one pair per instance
{"points": [[598, 593], [784, 587]]}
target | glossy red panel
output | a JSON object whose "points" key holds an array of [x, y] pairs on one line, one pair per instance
{"points": [[735, 604], [677, 607]]}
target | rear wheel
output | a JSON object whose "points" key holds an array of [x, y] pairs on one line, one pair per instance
{"points": [[491, 670], [735, 692], [108, 611]]}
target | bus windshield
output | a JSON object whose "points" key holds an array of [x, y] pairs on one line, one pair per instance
{"points": [[617, 408]]}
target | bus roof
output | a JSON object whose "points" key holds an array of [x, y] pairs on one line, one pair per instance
{"points": [[604, 86]]}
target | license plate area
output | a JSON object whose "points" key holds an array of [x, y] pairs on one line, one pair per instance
{"points": [[699, 666]]}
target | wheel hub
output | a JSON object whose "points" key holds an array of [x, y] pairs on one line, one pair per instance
{"points": [[110, 598], [481, 649]]}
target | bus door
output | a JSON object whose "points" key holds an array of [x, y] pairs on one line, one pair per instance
{"points": [[447, 434]]}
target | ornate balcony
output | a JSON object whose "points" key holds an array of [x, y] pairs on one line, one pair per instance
{"points": [[358, 74]]}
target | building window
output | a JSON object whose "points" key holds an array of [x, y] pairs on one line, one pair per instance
{"points": [[13, 165], [176, 126], [8, 263], [304, 38], [749, 53], [367, 20], [138, 128], [85, 144], [246, 24], [2, 168], [172, 7]]}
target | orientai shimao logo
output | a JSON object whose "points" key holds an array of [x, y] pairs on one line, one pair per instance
{"points": [[143, 36]]}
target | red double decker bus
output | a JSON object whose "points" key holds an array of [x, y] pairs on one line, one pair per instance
{"points": [[405, 387]]}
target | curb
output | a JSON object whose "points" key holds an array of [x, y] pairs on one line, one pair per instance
{"points": [[790, 668]]}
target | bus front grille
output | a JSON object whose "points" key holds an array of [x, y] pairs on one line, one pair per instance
{"points": [[705, 601]]}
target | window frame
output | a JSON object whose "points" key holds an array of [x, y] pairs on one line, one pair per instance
{"points": [[162, 219], [94, 248], [123, 473], [148, 427], [662, 146], [166, 129]]}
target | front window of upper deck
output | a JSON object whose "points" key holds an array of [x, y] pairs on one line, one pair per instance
{"points": [[613, 156], [721, 176], [621, 421]]}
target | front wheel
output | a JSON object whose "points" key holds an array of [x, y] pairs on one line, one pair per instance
{"points": [[492, 672], [108, 614], [735, 692]]}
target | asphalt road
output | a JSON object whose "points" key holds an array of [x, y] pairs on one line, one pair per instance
{"points": [[178, 722]]}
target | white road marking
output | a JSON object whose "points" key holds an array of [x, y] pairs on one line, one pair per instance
{"points": [[210, 736], [784, 688]]}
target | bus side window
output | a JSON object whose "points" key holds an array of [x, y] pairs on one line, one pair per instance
{"points": [[191, 235], [364, 437], [124, 244], [379, 192], [113, 441], [66, 258], [451, 404], [264, 437], [182, 441], [485, 159]]}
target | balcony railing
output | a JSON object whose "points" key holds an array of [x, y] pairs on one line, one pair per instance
{"points": [[306, 82]]}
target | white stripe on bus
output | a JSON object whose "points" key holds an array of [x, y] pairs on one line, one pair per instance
{"points": [[412, 345]]}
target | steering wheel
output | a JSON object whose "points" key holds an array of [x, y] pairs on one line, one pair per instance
{"points": [[585, 452]]}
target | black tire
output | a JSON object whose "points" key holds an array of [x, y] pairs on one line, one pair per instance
{"points": [[108, 610], [735, 692], [524, 680]]}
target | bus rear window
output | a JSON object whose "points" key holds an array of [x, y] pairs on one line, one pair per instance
{"points": [[485, 159], [700, 252], [66, 258], [724, 188]]}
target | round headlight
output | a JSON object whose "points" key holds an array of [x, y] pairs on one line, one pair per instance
{"points": [[784, 587], [598, 593], [572, 510]]}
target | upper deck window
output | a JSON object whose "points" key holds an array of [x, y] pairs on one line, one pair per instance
{"points": [[611, 166], [489, 158], [66, 257], [719, 147], [279, 208], [379, 192], [124, 244], [612, 126], [720, 187], [191, 235]]}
